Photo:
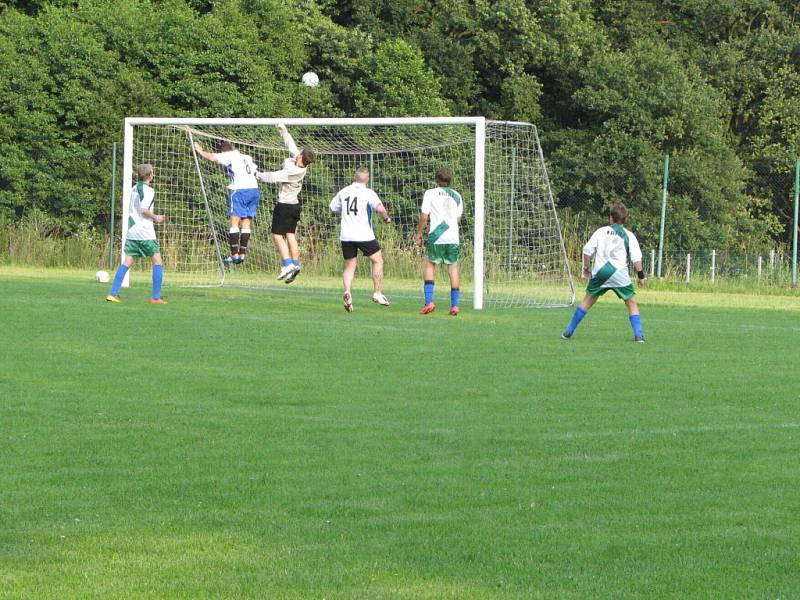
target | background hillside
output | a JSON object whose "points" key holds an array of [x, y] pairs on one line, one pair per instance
{"points": [[613, 85]]}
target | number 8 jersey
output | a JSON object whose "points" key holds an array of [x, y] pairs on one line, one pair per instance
{"points": [[241, 169], [356, 204]]}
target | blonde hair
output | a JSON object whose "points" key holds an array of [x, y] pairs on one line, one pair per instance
{"points": [[144, 171], [361, 175]]}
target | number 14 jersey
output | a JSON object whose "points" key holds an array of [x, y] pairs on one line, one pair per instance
{"points": [[356, 204]]}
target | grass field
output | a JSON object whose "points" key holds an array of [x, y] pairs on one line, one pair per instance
{"points": [[244, 444]]}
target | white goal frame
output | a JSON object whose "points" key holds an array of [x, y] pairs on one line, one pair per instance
{"points": [[479, 124]]}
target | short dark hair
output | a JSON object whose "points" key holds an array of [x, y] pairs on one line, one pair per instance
{"points": [[444, 176], [618, 213], [225, 146], [309, 156]]}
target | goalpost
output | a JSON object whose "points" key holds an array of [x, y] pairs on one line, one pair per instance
{"points": [[513, 251]]}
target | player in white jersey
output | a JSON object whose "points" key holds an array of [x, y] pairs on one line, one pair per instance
{"points": [[140, 240], [613, 247], [443, 207], [243, 195], [287, 211], [355, 203]]}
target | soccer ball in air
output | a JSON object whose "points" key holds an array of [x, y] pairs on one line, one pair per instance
{"points": [[310, 79], [101, 276]]}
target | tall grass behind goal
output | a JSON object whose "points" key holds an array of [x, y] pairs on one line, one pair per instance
{"points": [[512, 248]]}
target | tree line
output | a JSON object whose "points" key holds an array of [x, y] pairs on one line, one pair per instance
{"points": [[613, 86]]}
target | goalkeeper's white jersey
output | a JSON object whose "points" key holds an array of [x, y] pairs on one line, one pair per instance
{"points": [[139, 226], [608, 247], [290, 178], [356, 203], [241, 169], [445, 207]]}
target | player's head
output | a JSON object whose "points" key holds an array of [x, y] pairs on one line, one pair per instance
{"points": [[618, 213], [306, 157], [145, 172], [225, 146], [361, 175], [444, 176]]}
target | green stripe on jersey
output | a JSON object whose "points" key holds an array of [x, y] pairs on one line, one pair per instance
{"points": [[595, 286], [621, 233], [437, 233], [453, 194]]}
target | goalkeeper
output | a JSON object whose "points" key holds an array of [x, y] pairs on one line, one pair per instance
{"points": [[287, 212], [612, 247]]}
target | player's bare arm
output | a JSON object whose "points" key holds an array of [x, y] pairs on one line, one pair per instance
{"points": [[423, 221], [381, 210], [207, 155], [641, 280], [587, 266], [153, 216]]}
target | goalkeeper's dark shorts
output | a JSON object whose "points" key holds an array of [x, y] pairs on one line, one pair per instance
{"points": [[285, 218]]}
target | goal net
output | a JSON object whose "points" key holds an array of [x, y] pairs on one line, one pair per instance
{"points": [[512, 250]]}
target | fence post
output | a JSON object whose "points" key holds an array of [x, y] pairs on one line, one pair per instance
{"points": [[794, 229], [688, 268], [113, 198], [664, 213], [652, 262], [713, 265], [759, 267], [772, 261]]}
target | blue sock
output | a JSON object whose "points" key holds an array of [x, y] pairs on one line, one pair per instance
{"points": [[296, 262], [577, 317], [455, 297], [158, 277], [118, 280], [428, 287], [286, 262], [636, 325]]}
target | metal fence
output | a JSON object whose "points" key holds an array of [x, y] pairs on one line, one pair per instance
{"points": [[774, 191], [773, 267]]}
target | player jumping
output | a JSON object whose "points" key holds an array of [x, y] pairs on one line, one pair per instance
{"points": [[287, 211], [243, 195]]}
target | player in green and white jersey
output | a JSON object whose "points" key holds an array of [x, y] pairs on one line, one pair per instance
{"points": [[613, 247], [442, 206], [140, 240]]}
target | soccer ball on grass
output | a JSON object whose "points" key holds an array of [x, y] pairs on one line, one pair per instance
{"points": [[101, 276]]}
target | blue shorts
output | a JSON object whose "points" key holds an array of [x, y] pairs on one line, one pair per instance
{"points": [[244, 203]]}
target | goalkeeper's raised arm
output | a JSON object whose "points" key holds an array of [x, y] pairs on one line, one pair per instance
{"points": [[288, 140]]}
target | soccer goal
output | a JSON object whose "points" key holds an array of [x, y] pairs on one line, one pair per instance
{"points": [[513, 252]]}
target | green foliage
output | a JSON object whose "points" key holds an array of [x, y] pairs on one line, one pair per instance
{"points": [[614, 86]]}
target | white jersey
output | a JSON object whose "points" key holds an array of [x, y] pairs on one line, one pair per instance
{"points": [[290, 178], [445, 207], [241, 169], [139, 226], [608, 247], [356, 203]]}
